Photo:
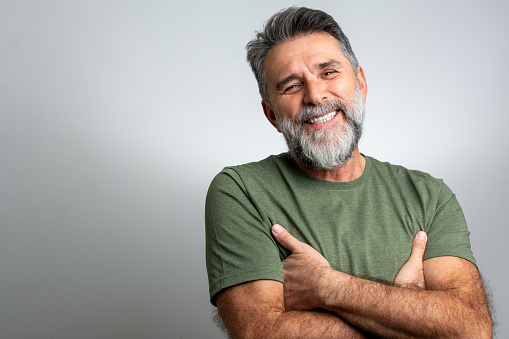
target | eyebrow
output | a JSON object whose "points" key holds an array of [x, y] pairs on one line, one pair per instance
{"points": [[281, 84], [329, 63]]}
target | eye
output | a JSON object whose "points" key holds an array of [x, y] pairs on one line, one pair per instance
{"points": [[329, 73], [292, 89]]}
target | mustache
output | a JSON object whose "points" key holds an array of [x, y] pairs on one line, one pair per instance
{"points": [[313, 112]]}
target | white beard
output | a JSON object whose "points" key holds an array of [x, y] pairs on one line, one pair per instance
{"points": [[326, 148]]}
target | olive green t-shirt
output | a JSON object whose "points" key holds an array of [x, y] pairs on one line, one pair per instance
{"points": [[363, 227]]}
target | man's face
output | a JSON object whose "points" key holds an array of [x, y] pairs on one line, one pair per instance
{"points": [[317, 102]]}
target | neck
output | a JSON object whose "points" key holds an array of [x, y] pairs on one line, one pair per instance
{"points": [[350, 171]]}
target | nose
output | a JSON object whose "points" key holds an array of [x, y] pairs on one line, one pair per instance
{"points": [[315, 93]]}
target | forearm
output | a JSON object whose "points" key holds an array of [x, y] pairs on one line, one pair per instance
{"points": [[313, 324], [394, 312], [450, 300], [294, 324], [256, 309]]}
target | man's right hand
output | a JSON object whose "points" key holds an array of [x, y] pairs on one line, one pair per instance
{"points": [[411, 274]]}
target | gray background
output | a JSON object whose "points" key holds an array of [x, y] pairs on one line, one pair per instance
{"points": [[115, 116]]}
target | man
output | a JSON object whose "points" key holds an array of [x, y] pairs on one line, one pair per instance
{"points": [[329, 222]]}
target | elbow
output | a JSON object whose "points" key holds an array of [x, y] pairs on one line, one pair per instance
{"points": [[486, 330], [484, 326], [488, 334], [255, 330], [267, 328], [249, 333], [471, 323], [484, 333], [479, 328]]}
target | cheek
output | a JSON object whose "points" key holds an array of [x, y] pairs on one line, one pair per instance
{"points": [[289, 108], [343, 85], [341, 88]]}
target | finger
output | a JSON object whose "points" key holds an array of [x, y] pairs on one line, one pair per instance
{"points": [[284, 238], [418, 247]]}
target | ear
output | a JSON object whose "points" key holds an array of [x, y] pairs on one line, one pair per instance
{"points": [[363, 85], [270, 115]]}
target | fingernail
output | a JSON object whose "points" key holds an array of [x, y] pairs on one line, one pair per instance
{"points": [[421, 236], [277, 229]]}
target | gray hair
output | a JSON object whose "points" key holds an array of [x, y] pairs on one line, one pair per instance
{"points": [[285, 25]]}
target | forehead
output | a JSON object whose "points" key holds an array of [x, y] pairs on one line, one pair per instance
{"points": [[303, 53]]}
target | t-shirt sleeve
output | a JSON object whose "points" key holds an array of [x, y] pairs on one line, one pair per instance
{"points": [[447, 233], [239, 244]]}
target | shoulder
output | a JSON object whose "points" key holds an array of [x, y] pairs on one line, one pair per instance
{"points": [[262, 167], [385, 168], [272, 168], [402, 176], [413, 185]]}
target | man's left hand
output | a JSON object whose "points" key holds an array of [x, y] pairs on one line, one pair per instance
{"points": [[411, 275]]}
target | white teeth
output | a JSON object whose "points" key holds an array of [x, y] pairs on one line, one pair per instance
{"points": [[323, 118]]}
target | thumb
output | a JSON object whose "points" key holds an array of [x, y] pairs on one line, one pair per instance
{"points": [[285, 239], [418, 246]]}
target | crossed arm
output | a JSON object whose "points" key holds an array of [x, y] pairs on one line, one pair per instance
{"points": [[440, 297]]}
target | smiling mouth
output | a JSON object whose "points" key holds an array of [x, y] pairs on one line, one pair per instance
{"points": [[322, 119]]}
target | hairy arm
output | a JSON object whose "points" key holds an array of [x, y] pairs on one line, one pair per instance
{"points": [[256, 309], [452, 305]]}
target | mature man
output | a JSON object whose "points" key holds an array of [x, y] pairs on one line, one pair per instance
{"points": [[350, 222]]}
